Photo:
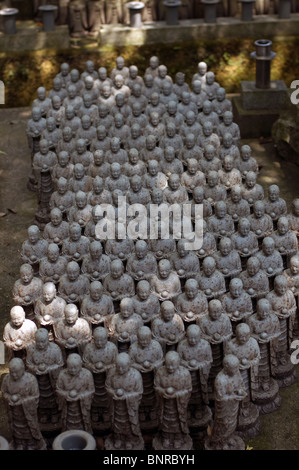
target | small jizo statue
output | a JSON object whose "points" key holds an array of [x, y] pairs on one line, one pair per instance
{"points": [[237, 303], [99, 357], [21, 395], [96, 307], [125, 387], [49, 309], [173, 386], [75, 390], [196, 356], [192, 303], [44, 360], [229, 392], [123, 326], [247, 350], [147, 356], [168, 329], [19, 333], [265, 328], [166, 284], [146, 304]]}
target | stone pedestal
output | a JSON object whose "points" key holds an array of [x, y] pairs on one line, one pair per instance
{"points": [[9, 20], [172, 11], [135, 9], [48, 16], [246, 12], [210, 7]]}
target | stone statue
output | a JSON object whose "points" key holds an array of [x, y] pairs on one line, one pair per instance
{"points": [[221, 224], [265, 328], [73, 286], [260, 223], [99, 357], [214, 191], [166, 283], [34, 248], [168, 329], [49, 309], [292, 276], [18, 333], [184, 262], [275, 206], [145, 303], [27, 289], [255, 280], [44, 360], [72, 333], [229, 148], [53, 266], [75, 390], [293, 216], [270, 259], [196, 356], [229, 392], [141, 264], [192, 303], [62, 198], [96, 307], [245, 241], [63, 169], [147, 356], [283, 304], [76, 246], [252, 190], [123, 326], [210, 280], [21, 395], [285, 240], [125, 387], [246, 349], [217, 330], [228, 260], [246, 162], [173, 386], [237, 303], [237, 207], [78, 23], [57, 230]]}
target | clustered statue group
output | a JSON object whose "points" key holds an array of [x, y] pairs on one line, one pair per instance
{"points": [[126, 337]]}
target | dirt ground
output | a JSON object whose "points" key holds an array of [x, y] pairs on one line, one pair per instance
{"points": [[280, 430]]}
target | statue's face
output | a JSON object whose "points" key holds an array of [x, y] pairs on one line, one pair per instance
{"points": [[81, 202], [98, 158], [162, 72], [198, 196], [86, 123], [197, 87], [294, 266], [143, 292], [167, 314], [67, 135], [98, 187], [89, 66], [135, 132], [192, 337], [75, 233], [64, 69], [115, 172], [51, 125], [186, 98], [244, 229], [251, 181], [17, 318], [154, 62], [56, 218], [16, 372], [26, 276], [202, 68], [96, 293], [236, 290], [136, 110], [282, 227], [192, 167], [120, 100], [73, 273], [228, 164], [74, 367], [227, 119], [116, 271], [209, 153], [36, 115], [182, 252], [71, 316], [41, 94], [210, 79], [122, 367], [119, 122], [280, 288], [75, 76], [273, 194], [53, 255], [118, 82], [164, 270], [263, 312], [63, 159], [212, 180], [144, 339], [227, 142], [180, 80], [33, 236], [137, 91], [295, 207], [62, 187], [102, 73], [106, 91], [215, 313], [225, 248], [141, 251], [136, 185], [174, 183], [44, 148], [172, 108], [190, 119], [207, 107], [151, 143], [101, 134], [207, 129], [171, 365], [115, 146], [72, 92], [87, 102], [220, 95], [209, 268], [120, 63], [155, 99], [190, 142], [259, 210], [252, 269], [157, 197], [268, 247], [245, 154], [41, 343], [236, 196], [169, 155], [170, 131], [100, 340], [191, 291]]}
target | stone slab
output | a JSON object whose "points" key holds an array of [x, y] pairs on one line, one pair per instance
{"points": [[253, 123], [274, 97], [196, 30], [31, 37]]}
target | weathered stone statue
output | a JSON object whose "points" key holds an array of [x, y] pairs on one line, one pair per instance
{"points": [[27, 289], [275, 206], [123, 326], [270, 259], [18, 333], [147, 356], [229, 392], [78, 23], [229, 175], [265, 328], [246, 348], [141, 264], [99, 357], [125, 387], [53, 266], [252, 190], [293, 216], [217, 330], [166, 283], [285, 240], [283, 304], [21, 395], [196, 356], [173, 386], [63, 198], [184, 262], [192, 303], [255, 280], [292, 276], [76, 246], [49, 309], [260, 223], [145, 303], [221, 224], [245, 241], [229, 148], [210, 280], [44, 360], [75, 390], [57, 230], [73, 286], [34, 248], [96, 307], [72, 333], [246, 162], [168, 329], [228, 260], [237, 303]]}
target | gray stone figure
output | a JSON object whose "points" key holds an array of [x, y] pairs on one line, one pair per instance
{"points": [[73, 286], [292, 277], [221, 104], [198, 95], [102, 140], [44, 361], [34, 248], [196, 355], [81, 212], [80, 181], [229, 175], [99, 167], [217, 330], [141, 264], [237, 303], [99, 195], [96, 307], [275, 206], [49, 309], [184, 262], [96, 264], [52, 266], [214, 190], [210, 86], [255, 280], [171, 163], [270, 259], [211, 281], [246, 349], [229, 392], [57, 230], [191, 149], [123, 326], [207, 114], [245, 162], [125, 387], [229, 148], [27, 289], [229, 126], [146, 356], [260, 223], [285, 240], [118, 284], [166, 283], [145, 303], [265, 328], [221, 224], [72, 333], [293, 216], [200, 75], [21, 395], [18, 333], [78, 22], [168, 329], [173, 386], [75, 390], [245, 241], [283, 304], [228, 260], [76, 246], [63, 169], [192, 304], [99, 357], [192, 177]]}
